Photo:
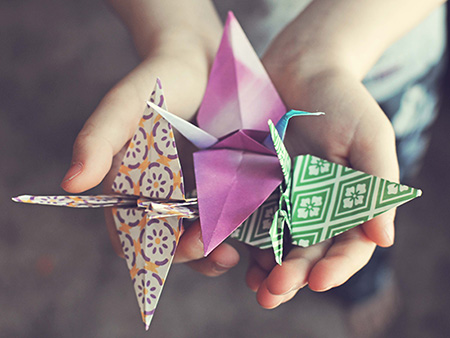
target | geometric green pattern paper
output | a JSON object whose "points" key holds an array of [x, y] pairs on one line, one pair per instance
{"points": [[318, 200], [283, 155], [255, 230], [328, 199], [276, 232]]}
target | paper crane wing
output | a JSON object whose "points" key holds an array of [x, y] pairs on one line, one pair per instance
{"points": [[150, 168], [240, 94], [321, 200], [328, 199], [149, 246], [231, 184], [78, 201]]}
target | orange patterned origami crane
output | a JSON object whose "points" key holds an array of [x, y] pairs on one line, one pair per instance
{"points": [[149, 205]]}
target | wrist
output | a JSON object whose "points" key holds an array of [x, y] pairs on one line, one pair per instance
{"points": [[346, 36], [299, 74], [176, 41], [170, 25]]}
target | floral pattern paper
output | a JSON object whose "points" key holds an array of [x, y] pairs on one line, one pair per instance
{"points": [[150, 168], [148, 205]]}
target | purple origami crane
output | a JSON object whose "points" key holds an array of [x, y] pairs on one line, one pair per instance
{"points": [[237, 168]]}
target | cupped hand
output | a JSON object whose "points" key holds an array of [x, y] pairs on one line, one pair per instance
{"points": [[102, 142], [354, 132]]}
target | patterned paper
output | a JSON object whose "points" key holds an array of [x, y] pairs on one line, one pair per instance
{"points": [[255, 230], [148, 208], [149, 246], [318, 200], [150, 168], [187, 209], [78, 201], [328, 199]]}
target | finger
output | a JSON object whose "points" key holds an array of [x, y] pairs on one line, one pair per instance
{"points": [[190, 250], [102, 136], [293, 273], [219, 261], [285, 280], [264, 258], [375, 154], [255, 275], [348, 254], [190, 245], [270, 301], [381, 229]]}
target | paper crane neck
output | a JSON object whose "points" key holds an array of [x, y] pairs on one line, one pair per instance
{"points": [[239, 93]]}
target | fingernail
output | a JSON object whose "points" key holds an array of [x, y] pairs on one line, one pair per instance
{"points": [[389, 232], [326, 288], [221, 267], [74, 170], [296, 287]]}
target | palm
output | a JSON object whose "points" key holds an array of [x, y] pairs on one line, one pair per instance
{"points": [[354, 132]]}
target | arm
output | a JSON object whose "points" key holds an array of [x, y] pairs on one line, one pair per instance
{"points": [[317, 63], [346, 34], [177, 41], [156, 26]]}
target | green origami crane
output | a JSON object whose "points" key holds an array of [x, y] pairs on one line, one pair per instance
{"points": [[317, 200]]}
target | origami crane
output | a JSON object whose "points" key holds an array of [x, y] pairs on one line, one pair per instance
{"points": [[317, 200], [148, 208], [246, 184], [237, 168]]}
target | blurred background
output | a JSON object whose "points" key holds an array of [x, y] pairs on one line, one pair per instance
{"points": [[59, 276]]}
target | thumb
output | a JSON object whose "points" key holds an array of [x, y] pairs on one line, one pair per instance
{"points": [[114, 121], [374, 152], [102, 136]]}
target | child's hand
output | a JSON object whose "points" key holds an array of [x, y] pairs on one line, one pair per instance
{"points": [[178, 48], [317, 63], [354, 132], [101, 144]]}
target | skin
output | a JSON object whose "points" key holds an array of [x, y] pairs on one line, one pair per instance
{"points": [[317, 63]]}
